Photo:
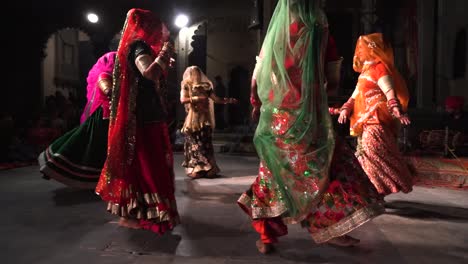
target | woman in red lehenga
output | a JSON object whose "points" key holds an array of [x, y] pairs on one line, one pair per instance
{"points": [[137, 180], [376, 108], [305, 176]]}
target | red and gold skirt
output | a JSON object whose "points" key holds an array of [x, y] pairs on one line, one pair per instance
{"points": [[147, 191]]}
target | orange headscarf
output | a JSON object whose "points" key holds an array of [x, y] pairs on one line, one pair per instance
{"points": [[373, 47]]}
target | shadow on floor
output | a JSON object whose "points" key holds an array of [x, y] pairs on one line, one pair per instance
{"points": [[69, 196], [426, 211], [148, 243]]}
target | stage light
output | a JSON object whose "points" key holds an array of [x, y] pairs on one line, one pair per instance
{"points": [[93, 18], [181, 21]]}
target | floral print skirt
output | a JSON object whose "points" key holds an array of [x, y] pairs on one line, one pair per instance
{"points": [[378, 153], [349, 201], [199, 160]]}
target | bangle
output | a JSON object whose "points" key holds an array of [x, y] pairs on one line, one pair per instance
{"points": [[394, 102], [161, 62], [349, 105], [334, 111], [255, 102]]}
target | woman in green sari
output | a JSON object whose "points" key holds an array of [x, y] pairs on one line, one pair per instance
{"points": [[305, 175]]}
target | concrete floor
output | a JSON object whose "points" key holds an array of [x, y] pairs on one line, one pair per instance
{"points": [[45, 222]]}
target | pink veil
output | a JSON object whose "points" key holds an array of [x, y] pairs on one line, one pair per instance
{"points": [[95, 98]]}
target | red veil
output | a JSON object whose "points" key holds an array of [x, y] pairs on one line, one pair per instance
{"points": [[140, 25]]}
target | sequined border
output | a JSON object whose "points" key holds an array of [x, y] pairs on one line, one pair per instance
{"points": [[60, 178], [261, 212], [50, 157], [133, 209], [349, 223]]}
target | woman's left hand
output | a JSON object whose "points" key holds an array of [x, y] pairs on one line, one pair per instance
{"points": [[404, 119]]}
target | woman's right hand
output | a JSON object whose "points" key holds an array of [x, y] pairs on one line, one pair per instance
{"points": [[404, 119], [343, 118], [199, 99]]}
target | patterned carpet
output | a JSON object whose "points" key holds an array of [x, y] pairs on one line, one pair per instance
{"points": [[441, 172]]}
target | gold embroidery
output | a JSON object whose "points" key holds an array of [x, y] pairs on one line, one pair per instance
{"points": [[139, 208], [348, 223]]}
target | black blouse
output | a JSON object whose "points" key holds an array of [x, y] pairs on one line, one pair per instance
{"points": [[149, 106]]}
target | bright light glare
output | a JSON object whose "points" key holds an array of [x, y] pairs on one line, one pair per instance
{"points": [[181, 21], [93, 18]]}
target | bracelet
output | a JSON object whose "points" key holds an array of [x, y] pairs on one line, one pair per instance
{"points": [[334, 111], [394, 102], [165, 54], [163, 58], [255, 102], [161, 62]]}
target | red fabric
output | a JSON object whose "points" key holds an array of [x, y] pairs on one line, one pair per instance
{"points": [[293, 97], [332, 51], [150, 172], [140, 25], [158, 228], [270, 229], [255, 101], [455, 102], [152, 169]]}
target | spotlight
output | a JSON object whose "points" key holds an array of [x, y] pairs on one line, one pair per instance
{"points": [[181, 21], [93, 18]]}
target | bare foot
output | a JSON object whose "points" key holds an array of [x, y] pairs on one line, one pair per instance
{"points": [[129, 223], [194, 175], [344, 241], [264, 248]]}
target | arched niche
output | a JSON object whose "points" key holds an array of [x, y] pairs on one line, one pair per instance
{"points": [[68, 56]]}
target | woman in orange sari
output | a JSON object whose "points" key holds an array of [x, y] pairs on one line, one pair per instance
{"points": [[376, 110]]}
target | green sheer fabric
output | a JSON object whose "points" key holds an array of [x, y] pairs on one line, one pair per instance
{"points": [[311, 128]]}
